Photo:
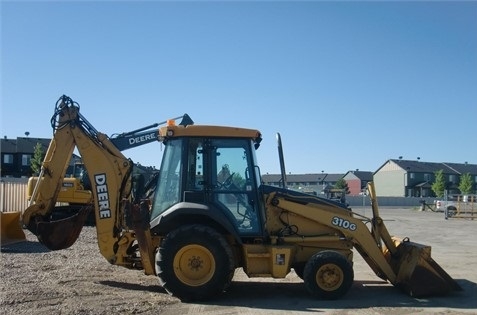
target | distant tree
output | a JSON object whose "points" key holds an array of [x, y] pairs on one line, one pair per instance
{"points": [[439, 184], [37, 159], [466, 183], [342, 184], [238, 180]]}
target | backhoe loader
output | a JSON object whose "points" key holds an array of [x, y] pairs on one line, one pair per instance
{"points": [[210, 214], [76, 192]]}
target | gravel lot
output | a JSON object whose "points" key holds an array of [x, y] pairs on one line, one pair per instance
{"points": [[78, 280]]}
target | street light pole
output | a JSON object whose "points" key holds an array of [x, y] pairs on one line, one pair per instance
{"points": [[405, 183]]}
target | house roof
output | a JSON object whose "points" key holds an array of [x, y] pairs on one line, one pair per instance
{"points": [[8, 146], [463, 168], [422, 167], [27, 145], [301, 178], [362, 175], [431, 167], [23, 145], [333, 177], [423, 185]]}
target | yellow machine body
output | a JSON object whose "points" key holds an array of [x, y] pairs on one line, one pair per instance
{"points": [[211, 214], [71, 191]]}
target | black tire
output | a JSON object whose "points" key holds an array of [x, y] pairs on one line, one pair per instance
{"points": [[194, 263], [328, 275], [451, 211]]}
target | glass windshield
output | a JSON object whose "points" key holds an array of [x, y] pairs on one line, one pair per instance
{"points": [[168, 190]]}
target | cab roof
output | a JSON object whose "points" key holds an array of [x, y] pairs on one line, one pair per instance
{"points": [[174, 131]]}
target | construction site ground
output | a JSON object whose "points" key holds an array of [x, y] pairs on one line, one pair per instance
{"points": [[78, 280]]}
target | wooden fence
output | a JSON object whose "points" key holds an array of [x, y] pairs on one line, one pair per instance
{"points": [[13, 194]]}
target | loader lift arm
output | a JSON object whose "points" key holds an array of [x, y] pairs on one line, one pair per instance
{"points": [[110, 175], [404, 264]]}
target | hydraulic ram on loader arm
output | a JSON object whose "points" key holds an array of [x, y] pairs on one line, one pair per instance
{"points": [[405, 264]]}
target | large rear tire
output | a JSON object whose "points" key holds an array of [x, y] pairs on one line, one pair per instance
{"points": [[194, 263], [328, 275]]}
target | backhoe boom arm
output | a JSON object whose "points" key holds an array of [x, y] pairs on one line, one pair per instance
{"points": [[108, 169]]}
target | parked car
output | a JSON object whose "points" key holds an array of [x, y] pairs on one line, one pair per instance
{"points": [[456, 204], [443, 205]]}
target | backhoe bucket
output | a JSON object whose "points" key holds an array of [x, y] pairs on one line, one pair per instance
{"points": [[61, 234], [417, 273], [11, 230]]}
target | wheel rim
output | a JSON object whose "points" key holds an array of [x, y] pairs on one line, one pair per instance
{"points": [[194, 265], [329, 277]]}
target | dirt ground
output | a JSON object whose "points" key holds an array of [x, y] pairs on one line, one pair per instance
{"points": [[78, 280]]}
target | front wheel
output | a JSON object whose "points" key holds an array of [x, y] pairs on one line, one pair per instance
{"points": [[451, 211], [328, 275], [194, 263]]}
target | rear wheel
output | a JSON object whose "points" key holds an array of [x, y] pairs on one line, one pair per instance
{"points": [[328, 275], [194, 263]]}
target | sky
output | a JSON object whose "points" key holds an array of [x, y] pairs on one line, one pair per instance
{"points": [[347, 84]]}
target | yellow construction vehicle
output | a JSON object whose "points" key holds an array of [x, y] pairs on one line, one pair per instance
{"points": [[210, 215], [72, 196], [75, 191]]}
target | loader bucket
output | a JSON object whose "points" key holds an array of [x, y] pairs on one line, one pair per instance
{"points": [[61, 234], [11, 230], [417, 273]]}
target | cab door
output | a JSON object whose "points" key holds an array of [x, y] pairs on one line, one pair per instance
{"points": [[233, 187]]}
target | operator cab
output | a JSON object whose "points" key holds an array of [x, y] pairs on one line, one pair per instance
{"points": [[209, 178]]}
